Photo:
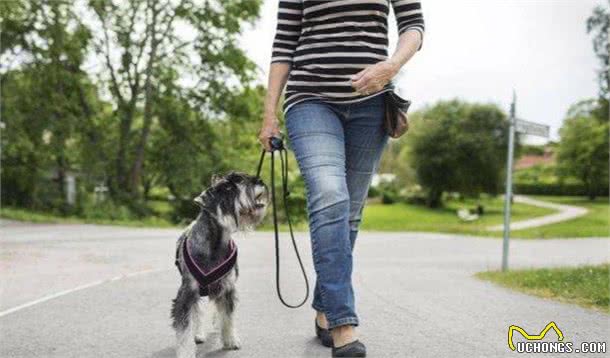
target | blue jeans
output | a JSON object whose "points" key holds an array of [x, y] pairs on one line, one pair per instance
{"points": [[337, 148]]}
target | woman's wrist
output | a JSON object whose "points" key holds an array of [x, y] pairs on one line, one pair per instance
{"points": [[269, 112], [270, 118], [395, 65], [269, 107]]}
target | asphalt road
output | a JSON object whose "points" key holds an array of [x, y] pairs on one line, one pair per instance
{"points": [[96, 291]]}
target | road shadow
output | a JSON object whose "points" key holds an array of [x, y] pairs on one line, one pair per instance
{"points": [[210, 348]]}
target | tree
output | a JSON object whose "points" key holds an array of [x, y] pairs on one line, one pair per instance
{"points": [[395, 160], [173, 75], [46, 100], [583, 149], [140, 39], [460, 147], [599, 24]]}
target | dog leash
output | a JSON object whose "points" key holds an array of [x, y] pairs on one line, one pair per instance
{"points": [[278, 145]]}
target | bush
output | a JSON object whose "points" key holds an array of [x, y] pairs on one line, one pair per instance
{"points": [[388, 197], [183, 211], [414, 195], [105, 210], [556, 189], [297, 206], [389, 192], [373, 192], [296, 200]]}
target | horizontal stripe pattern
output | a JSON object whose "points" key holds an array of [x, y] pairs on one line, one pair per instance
{"points": [[326, 42]]}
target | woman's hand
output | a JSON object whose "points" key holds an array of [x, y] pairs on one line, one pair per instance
{"points": [[270, 128], [375, 77]]}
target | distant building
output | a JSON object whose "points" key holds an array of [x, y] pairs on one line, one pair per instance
{"points": [[531, 160]]}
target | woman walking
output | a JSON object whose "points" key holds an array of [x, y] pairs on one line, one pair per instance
{"points": [[332, 57]]}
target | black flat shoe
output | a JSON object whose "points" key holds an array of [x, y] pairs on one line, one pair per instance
{"points": [[324, 336], [353, 349]]}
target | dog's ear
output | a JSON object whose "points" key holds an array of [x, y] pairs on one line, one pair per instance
{"points": [[216, 178]]}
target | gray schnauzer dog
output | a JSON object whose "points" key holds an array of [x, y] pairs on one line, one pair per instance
{"points": [[234, 202]]}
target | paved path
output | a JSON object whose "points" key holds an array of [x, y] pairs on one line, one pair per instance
{"points": [[96, 291], [566, 212]]}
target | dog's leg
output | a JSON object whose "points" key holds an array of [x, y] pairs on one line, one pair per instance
{"points": [[199, 310], [184, 315], [226, 309]]}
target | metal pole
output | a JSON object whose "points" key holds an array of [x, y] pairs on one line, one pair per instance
{"points": [[509, 184]]}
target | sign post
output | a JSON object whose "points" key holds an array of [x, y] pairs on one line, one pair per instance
{"points": [[525, 127], [509, 183]]}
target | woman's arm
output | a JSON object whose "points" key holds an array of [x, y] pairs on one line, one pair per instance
{"points": [[285, 42], [410, 24], [278, 74]]}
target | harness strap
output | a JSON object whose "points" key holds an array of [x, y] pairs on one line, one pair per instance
{"points": [[205, 279], [283, 154]]}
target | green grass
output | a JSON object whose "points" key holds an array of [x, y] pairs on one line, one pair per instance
{"points": [[588, 286], [404, 217], [40, 217], [407, 217], [594, 224]]}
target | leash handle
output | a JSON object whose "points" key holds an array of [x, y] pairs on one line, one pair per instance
{"points": [[283, 153], [276, 143]]}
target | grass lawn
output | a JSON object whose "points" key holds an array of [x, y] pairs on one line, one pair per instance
{"points": [[38, 217], [588, 286], [404, 217], [594, 224]]}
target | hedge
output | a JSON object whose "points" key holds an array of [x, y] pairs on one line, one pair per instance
{"points": [[556, 189]]}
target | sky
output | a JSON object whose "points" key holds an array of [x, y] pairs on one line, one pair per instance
{"points": [[482, 50]]}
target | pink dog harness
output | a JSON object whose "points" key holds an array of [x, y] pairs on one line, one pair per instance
{"points": [[206, 278]]}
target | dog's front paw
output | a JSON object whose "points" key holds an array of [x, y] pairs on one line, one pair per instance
{"points": [[231, 343]]}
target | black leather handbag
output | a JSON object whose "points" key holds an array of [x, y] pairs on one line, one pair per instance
{"points": [[396, 122]]}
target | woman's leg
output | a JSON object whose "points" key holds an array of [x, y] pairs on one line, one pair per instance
{"points": [[365, 140], [316, 136]]}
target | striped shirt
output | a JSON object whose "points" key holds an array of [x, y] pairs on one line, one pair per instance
{"points": [[326, 42]]}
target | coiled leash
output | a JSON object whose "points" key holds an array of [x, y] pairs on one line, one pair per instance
{"points": [[278, 145]]}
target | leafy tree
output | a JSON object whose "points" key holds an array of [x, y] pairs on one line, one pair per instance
{"points": [[395, 159], [583, 149], [173, 76], [46, 100], [599, 24], [140, 40], [460, 147]]}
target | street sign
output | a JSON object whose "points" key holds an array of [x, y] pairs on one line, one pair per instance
{"points": [[527, 127], [521, 126]]}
